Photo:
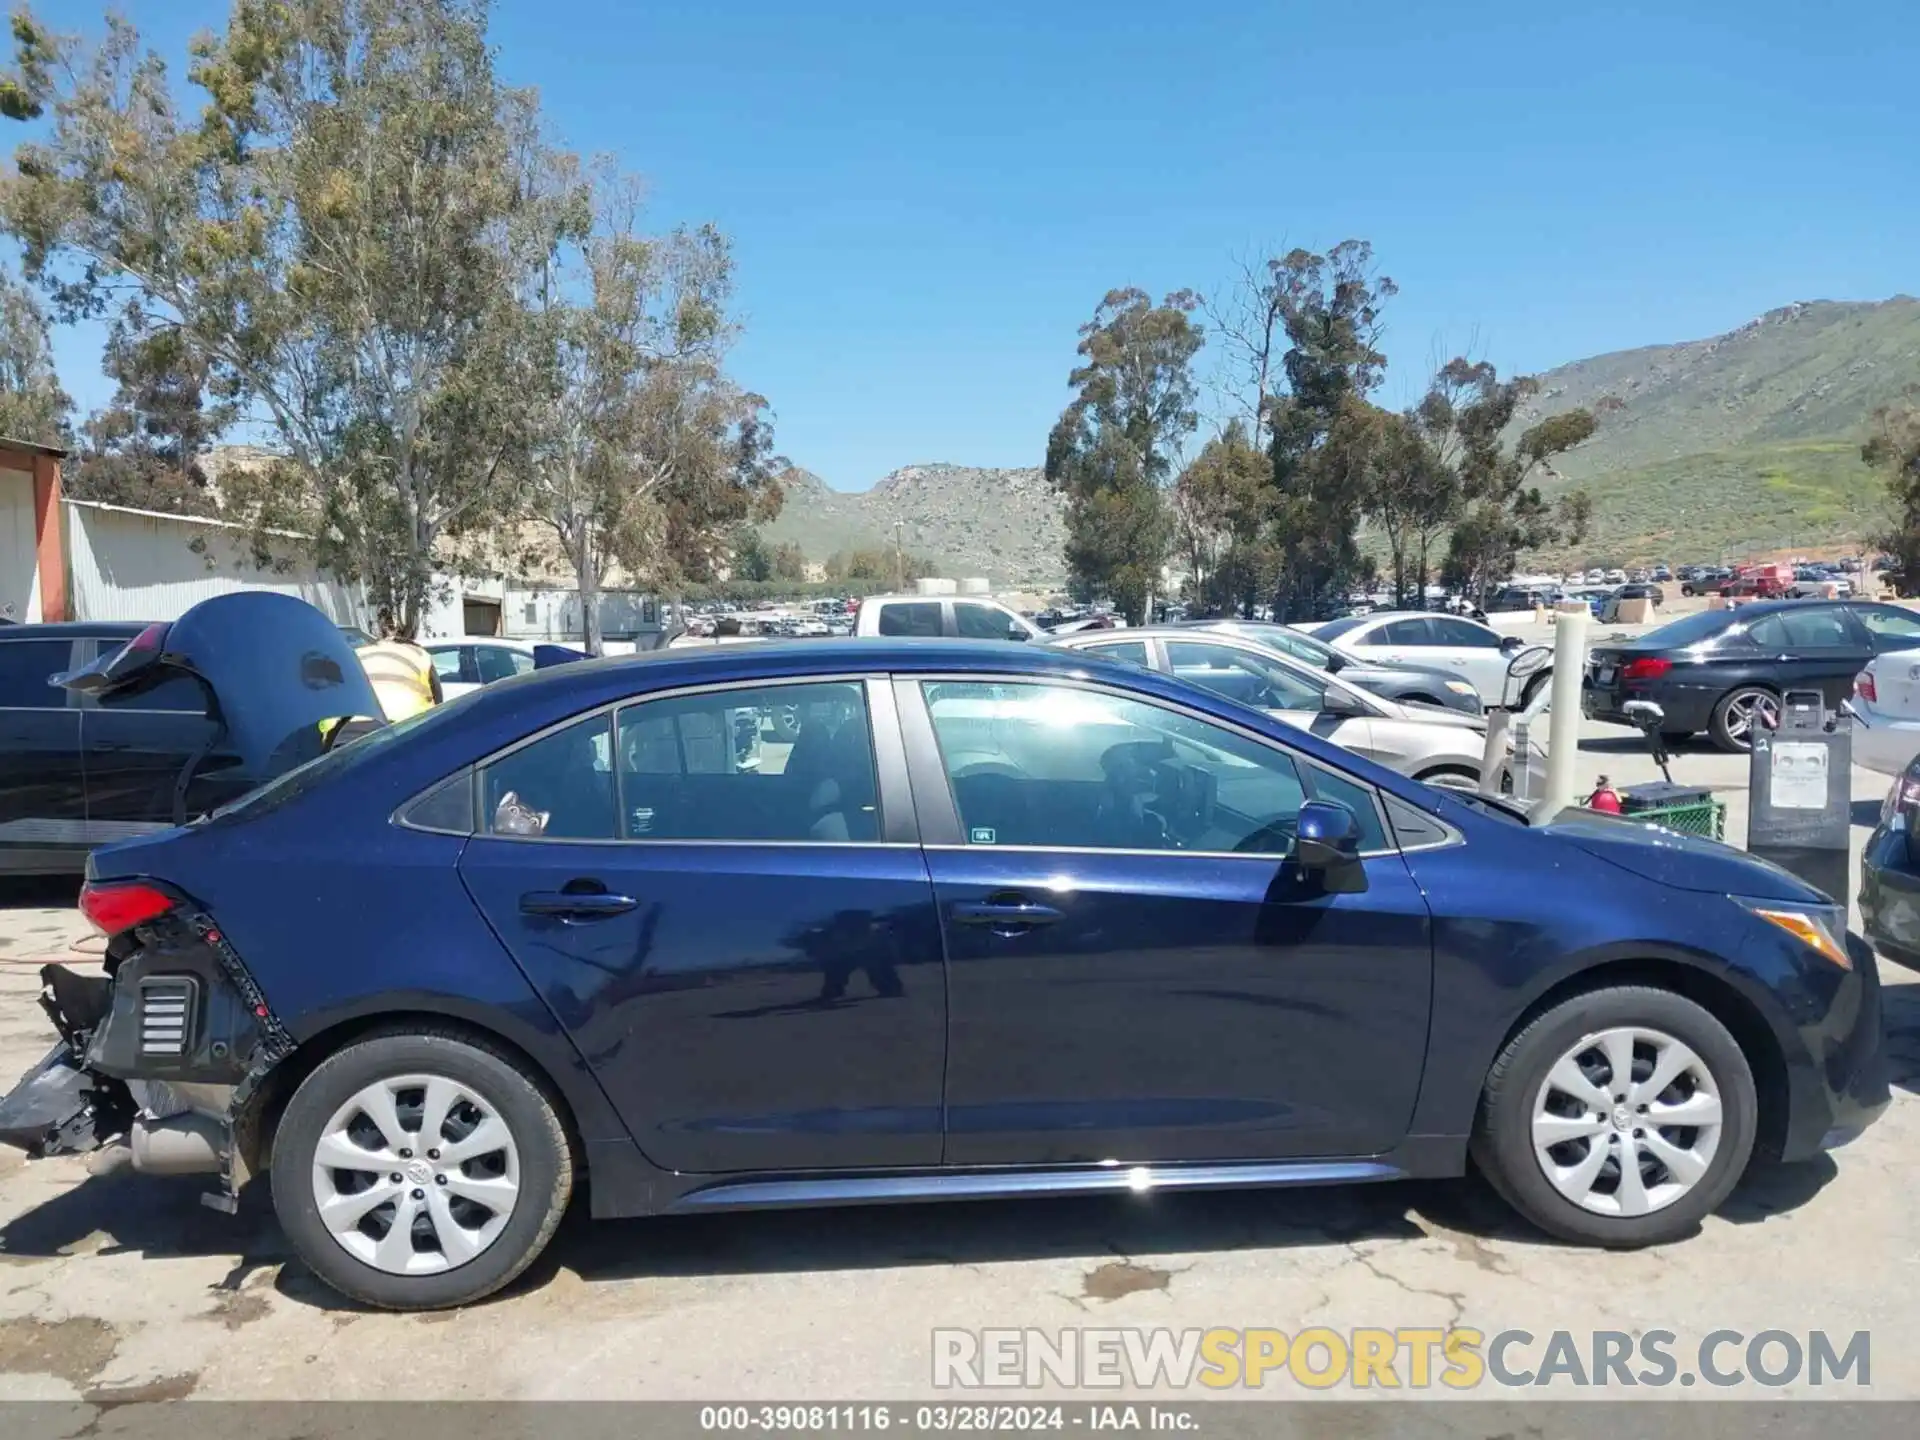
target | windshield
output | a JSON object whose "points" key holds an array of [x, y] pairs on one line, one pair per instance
{"points": [[1298, 644], [1334, 629], [1687, 630]]}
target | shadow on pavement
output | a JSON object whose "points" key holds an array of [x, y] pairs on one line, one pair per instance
{"points": [[163, 1219], [1900, 1009]]}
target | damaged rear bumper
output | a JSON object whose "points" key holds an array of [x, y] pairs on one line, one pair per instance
{"points": [[164, 1056]]}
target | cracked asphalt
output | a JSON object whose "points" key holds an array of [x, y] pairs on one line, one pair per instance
{"points": [[125, 1288]]}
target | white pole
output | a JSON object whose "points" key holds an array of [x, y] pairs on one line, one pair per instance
{"points": [[1495, 753], [1563, 733]]}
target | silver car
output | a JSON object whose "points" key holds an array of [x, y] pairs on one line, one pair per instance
{"points": [[1442, 747]]}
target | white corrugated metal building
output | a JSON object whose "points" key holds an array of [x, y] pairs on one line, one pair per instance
{"points": [[127, 564]]}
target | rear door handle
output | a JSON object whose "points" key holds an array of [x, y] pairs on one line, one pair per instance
{"points": [[591, 905], [1007, 918]]}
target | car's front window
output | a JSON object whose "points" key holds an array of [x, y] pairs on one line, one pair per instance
{"points": [[1056, 766]]}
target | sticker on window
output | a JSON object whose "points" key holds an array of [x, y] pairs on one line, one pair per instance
{"points": [[981, 835]]}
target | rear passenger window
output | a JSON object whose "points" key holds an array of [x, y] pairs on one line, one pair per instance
{"points": [[560, 787], [916, 618], [1402, 632], [779, 763], [25, 668], [446, 664]]}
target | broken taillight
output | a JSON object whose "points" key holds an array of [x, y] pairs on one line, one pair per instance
{"points": [[116, 906]]}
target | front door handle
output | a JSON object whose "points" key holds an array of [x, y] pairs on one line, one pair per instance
{"points": [[1004, 917], [585, 905]]}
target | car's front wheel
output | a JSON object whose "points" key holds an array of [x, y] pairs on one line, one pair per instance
{"points": [[419, 1169], [1621, 1117]]}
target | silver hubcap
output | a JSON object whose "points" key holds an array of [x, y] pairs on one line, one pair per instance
{"points": [[1744, 707], [416, 1174], [1626, 1122]]}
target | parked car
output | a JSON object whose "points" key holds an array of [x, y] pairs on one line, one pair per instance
{"points": [[1007, 919], [1886, 703], [1890, 871], [969, 617], [1410, 685], [465, 665], [78, 771], [1706, 580], [1478, 653], [1436, 746], [1722, 671]]}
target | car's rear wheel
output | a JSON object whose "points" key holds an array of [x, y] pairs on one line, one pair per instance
{"points": [[1739, 711], [421, 1169], [1451, 777], [1621, 1117]]}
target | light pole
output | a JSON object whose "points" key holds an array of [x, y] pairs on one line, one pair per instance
{"points": [[899, 558]]}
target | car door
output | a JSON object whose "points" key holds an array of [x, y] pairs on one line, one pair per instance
{"points": [[1286, 694], [1471, 651], [499, 662], [1397, 642], [974, 621], [135, 748], [1136, 969], [43, 808], [741, 941], [1813, 646]]}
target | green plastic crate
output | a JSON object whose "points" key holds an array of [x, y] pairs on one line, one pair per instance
{"points": [[1706, 818]]}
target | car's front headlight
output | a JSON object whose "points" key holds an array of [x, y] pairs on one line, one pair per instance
{"points": [[1821, 928], [1461, 687]]}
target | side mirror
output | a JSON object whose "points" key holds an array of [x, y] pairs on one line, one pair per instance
{"points": [[1339, 702], [1327, 840], [1016, 632], [1509, 644], [1336, 662]]}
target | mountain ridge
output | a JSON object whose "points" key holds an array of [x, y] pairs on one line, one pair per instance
{"points": [[1741, 442]]}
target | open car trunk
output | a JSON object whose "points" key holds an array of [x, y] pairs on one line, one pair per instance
{"points": [[162, 1047]]}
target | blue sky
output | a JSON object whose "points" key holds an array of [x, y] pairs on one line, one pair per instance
{"points": [[927, 200]]}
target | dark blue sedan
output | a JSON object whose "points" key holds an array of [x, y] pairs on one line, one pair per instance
{"points": [[997, 920]]}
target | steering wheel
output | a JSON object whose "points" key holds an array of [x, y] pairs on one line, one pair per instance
{"points": [[1262, 841]]}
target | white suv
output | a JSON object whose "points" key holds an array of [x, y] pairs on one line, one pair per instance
{"points": [[967, 617]]}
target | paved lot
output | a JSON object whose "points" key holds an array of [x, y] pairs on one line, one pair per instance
{"points": [[127, 1288]]}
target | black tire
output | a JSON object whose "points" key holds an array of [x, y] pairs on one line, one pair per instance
{"points": [[1464, 778], [1502, 1145], [529, 1112], [1720, 727]]}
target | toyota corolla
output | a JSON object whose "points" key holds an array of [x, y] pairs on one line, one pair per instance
{"points": [[978, 920]]}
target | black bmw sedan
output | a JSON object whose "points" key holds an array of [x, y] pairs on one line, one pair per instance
{"points": [[1720, 670]]}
